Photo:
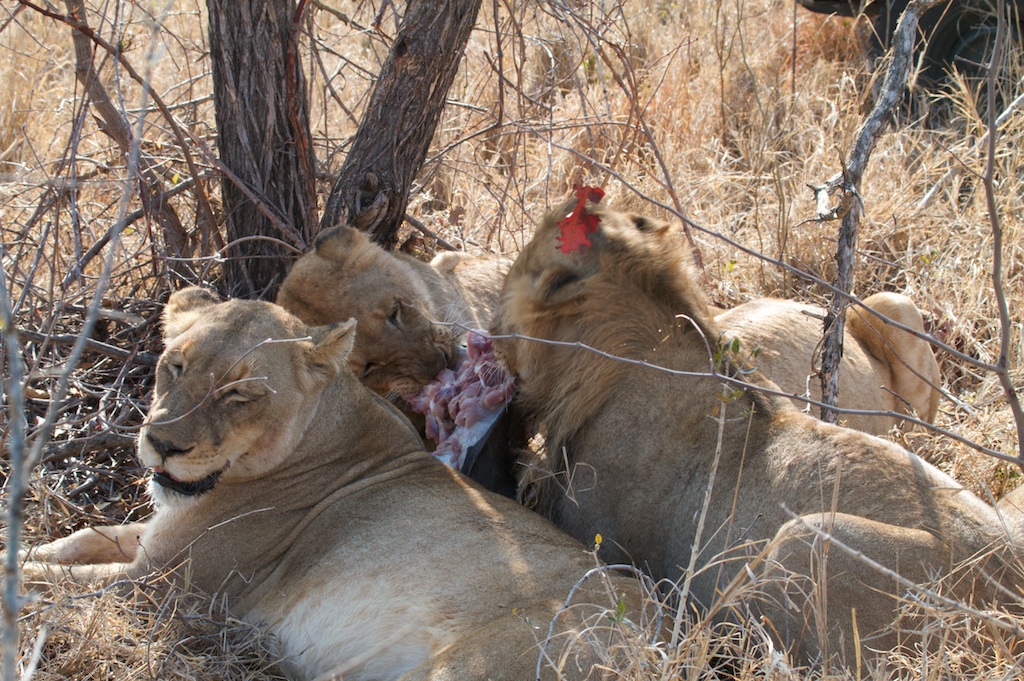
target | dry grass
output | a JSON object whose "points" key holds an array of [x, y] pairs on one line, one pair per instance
{"points": [[142, 631], [720, 112]]}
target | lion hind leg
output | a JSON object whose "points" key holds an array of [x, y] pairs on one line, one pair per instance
{"points": [[912, 366], [102, 544], [822, 600]]}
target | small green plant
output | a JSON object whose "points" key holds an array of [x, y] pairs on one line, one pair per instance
{"points": [[727, 355]]}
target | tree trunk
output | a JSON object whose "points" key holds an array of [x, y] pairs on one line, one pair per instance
{"points": [[264, 140], [389, 148]]}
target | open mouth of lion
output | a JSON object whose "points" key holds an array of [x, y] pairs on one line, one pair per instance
{"points": [[185, 488]]}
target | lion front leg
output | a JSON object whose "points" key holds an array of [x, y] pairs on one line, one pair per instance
{"points": [[43, 575], [104, 544]]}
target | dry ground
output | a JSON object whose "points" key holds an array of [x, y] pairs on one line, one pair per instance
{"points": [[719, 112]]}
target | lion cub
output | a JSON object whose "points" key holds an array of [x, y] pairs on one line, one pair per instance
{"points": [[283, 484], [411, 314]]}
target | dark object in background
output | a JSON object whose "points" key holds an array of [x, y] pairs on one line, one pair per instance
{"points": [[957, 34]]}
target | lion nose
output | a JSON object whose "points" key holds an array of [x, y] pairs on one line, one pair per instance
{"points": [[166, 449]]}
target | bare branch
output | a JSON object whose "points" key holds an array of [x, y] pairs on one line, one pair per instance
{"points": [[78, 24], [16, 451], [95, 346], [867, 136], [744, 385], [1003, 362]]}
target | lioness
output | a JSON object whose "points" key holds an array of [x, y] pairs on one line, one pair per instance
{"points": [[282, 483], [883, 368], [398, 302], [640, 446]]}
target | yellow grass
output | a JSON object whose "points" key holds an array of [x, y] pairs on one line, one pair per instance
{"points": [[721, 112]]}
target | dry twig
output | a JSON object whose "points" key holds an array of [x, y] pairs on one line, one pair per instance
{"points": [[867, 136]]}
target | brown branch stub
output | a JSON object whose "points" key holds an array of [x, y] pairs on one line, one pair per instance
{"points": [[838, 185]]}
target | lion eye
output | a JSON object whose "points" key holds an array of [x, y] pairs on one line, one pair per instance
{"points": [[235, 395], [174, 368], [558, 281], [394, 317]]}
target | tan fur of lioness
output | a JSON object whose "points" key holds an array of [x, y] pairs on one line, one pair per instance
{"points": [[883, 368], [283, 484], [637, 446], [397, 300]]}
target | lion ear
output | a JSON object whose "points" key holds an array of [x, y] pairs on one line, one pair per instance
{"points": [[339, 242], [563, 282], [184, 308], [332, 345]]}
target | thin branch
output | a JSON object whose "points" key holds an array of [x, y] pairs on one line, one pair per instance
{"points": [[117, 228], [695, 549], [650, 592], [15, 487], [1003, 362], [207, 221], [428, 233], [871, 129], [744, 385], [94, 346]]}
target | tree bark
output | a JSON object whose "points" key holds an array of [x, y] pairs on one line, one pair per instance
{"points": [[264, 139], [389, 148]]}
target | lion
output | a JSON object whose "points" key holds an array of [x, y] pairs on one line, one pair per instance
{"points": [[283, 484], [883, 368], [412, 315], [614, 346]]}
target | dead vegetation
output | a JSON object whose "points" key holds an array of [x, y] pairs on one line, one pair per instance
{"points": [[719, 113]]}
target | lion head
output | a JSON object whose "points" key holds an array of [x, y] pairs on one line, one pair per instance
{"points": [[400, 347], [619, 286], [235, 390]]}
